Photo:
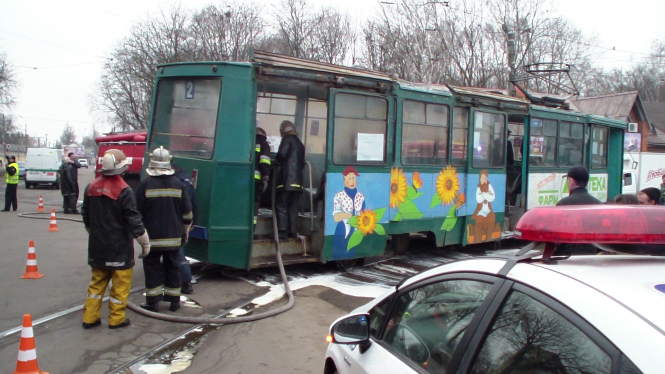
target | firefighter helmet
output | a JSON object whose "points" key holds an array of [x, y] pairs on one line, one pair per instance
{"points": [[260, 131], [114, 162], [160, 162]]}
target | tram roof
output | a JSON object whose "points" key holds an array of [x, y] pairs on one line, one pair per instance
{"points": [[294, 63]]}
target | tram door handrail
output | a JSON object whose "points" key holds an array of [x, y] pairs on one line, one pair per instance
{"points": [[311, 197]]}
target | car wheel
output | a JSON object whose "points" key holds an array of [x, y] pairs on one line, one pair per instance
{"points": [[27, 185], [56, 186]]}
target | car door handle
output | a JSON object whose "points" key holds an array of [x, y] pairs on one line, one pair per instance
{"points": [[348, 362]]}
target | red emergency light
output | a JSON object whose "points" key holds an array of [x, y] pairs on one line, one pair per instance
{"points": [[594, 224]]}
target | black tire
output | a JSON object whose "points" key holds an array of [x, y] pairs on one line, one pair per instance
{"points": [[27, 185], [56, 185]]}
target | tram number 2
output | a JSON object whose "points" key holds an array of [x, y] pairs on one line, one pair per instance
{"points": [[189, 90]]}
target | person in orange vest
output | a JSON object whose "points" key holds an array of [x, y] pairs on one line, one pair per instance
{"points": [[113, 222]]}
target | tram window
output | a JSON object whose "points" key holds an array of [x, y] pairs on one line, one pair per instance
{"points": [[185, 116], [599, 148], [489, 142], [424, 133], [271, 110], [315, 134], [460, 126], [542, 146], [571, 142], [359, 135]]}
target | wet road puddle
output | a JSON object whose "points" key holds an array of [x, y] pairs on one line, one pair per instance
{"points": [[174, 357]]}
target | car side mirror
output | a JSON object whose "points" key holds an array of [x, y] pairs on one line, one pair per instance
{"points": [[352, 330]]}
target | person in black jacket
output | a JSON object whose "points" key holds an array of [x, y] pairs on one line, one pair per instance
{"points": [[261, 168], [167, 214], [577, 179], [185, 268], [76, 166], [113, 222], [291, 160], [68, 187]]}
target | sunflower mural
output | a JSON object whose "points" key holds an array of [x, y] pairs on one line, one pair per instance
{"points": [[448, 192], [447, 186], [402, 195], [367, 223]]}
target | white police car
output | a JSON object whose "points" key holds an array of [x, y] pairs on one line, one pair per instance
{"points": [[536, 312]]}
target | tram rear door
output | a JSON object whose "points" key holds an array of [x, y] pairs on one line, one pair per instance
{"points": [[486, 176]]}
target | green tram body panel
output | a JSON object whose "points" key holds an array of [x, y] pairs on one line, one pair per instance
{"points": [[426, 158]]}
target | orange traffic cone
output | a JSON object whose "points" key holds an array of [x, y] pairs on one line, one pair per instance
{"points": [[31, 271], [40, 207], [27, 353], [54, 224]]}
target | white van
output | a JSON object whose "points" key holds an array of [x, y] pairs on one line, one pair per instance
{"points": [[41, 167]]}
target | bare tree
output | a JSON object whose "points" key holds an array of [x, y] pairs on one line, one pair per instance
{"points": [[126, 85], [7, 82], [296, 23], [68, 135], [335, 36], [228, 34]]}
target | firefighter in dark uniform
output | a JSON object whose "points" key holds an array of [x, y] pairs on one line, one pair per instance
{"points": [[113, 222], [11, 177], [261, 169], [291, 160], [167, 214]]}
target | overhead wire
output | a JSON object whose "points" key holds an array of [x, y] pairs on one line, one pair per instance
{"points": [[52, 44]]}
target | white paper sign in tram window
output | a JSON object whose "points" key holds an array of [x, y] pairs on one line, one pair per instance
{"points": [[370, 147]]}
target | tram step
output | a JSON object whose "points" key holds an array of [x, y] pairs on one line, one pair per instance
{"points": [[267, 261], [291, 246]]}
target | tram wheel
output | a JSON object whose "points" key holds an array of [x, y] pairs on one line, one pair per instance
{"points": [[346, 265], [401, 243]]}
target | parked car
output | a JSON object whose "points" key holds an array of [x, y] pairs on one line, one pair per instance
{"points": [[83, 162], [42, 166], [529, 313], [21, 169]]}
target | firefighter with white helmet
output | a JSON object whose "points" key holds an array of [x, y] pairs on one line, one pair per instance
{"points": [[113, 221], [167, 214]]}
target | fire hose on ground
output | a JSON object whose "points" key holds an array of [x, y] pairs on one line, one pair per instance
{"points": [[223, 320]]}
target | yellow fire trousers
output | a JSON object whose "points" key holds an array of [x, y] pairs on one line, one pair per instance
{"points": [[122, 282]]}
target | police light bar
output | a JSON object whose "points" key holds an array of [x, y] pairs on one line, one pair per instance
{"points": [[595, 224]]}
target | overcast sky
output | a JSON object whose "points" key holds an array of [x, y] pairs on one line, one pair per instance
{"points": [[58, 47]]}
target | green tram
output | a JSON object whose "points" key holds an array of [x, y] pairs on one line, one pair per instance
{"points": [[385, 158]]}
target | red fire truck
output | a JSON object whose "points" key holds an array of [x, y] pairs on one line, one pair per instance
{"points": [[132, 144]]}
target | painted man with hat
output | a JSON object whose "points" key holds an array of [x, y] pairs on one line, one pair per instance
{"points": [[577, 179], [346, 204], [167, 214], [291, 160], [113, 222]]}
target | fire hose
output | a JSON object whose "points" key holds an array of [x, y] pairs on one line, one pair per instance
{"points": [[223, 320]]}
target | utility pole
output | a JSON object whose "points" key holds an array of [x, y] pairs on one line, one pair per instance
{"points": [[512, 57]]}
